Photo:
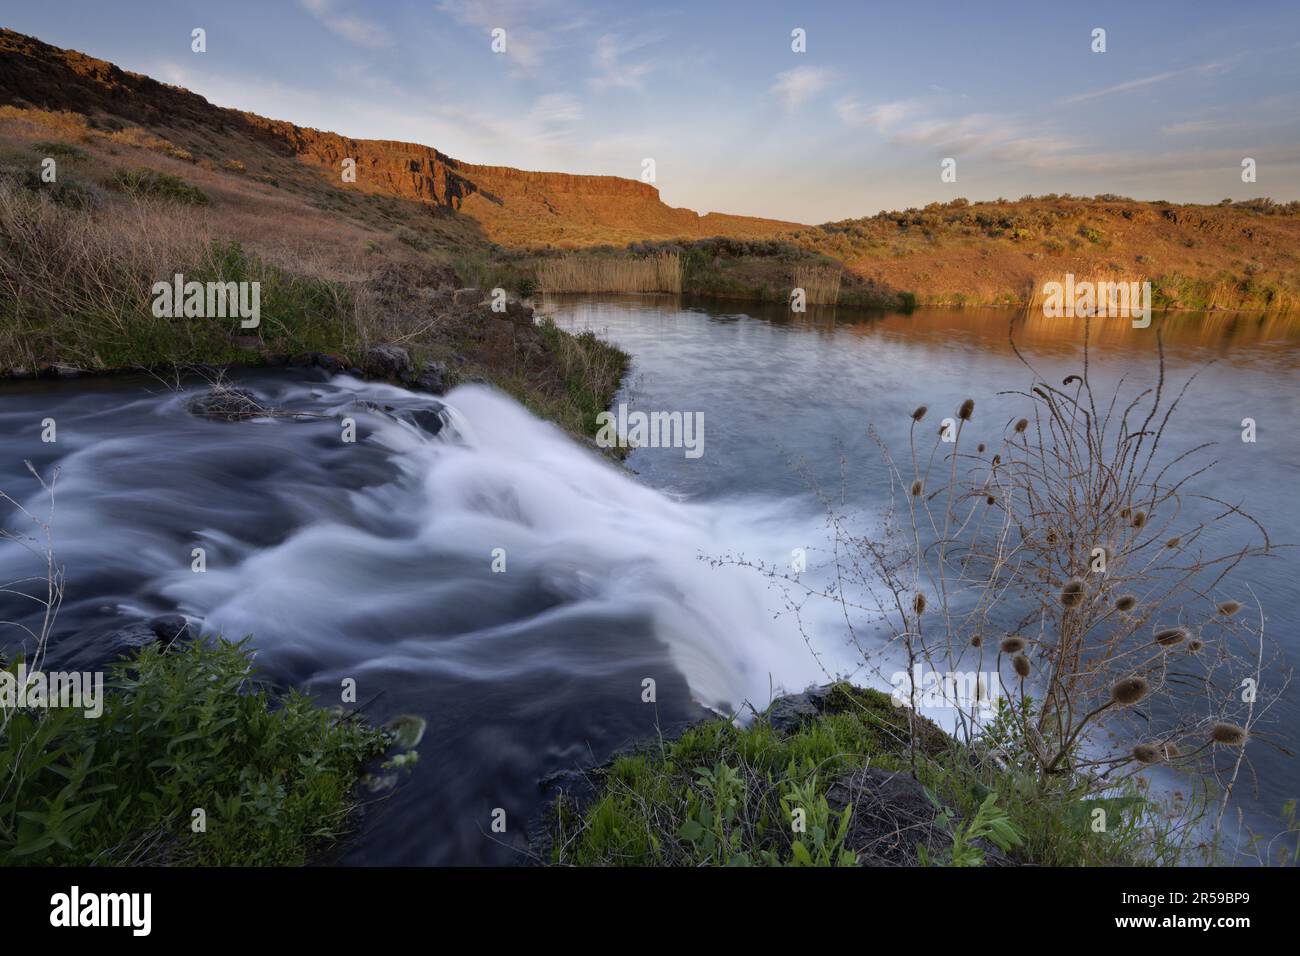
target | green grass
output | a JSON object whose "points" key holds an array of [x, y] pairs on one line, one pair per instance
{"points": [[591, 370], [55, 148], [155, 185], [183, 730], [722, 795]]}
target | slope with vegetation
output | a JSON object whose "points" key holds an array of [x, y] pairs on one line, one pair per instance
{"points": [[280, 188]]}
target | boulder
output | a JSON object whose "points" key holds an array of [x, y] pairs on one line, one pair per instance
{"points": [[892, 817], [100, 646], [390, 362], [431, 378], [226, 403]]}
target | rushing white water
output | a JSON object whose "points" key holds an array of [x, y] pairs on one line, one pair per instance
{"points": [[396, 569]]}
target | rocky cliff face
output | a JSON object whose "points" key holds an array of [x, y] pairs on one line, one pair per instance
{"points": [[513, 205]]}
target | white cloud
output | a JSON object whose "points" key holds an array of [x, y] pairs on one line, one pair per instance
{"points": [[879, 118], [354, 29], [1142, 82], [533, 27], [613, 68], [799, 84]]}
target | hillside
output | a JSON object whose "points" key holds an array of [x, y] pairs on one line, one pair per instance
{"points": [[509, 205], [278, 188]]}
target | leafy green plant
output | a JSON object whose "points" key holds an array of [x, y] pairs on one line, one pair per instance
{"points": [[990, 822], [822, 841], [180, 731]]}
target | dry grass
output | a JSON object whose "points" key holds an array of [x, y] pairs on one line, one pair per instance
{"points": [[578, 273], [821, 284]]}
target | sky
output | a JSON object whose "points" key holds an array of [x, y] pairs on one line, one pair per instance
{"points": [[734, 118]]}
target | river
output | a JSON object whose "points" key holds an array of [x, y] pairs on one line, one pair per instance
{"points": [[516, 589]]}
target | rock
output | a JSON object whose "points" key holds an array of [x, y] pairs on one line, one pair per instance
{"points": [[892, 816], [431, 378], [19, 371], [67, 371], [100, 646], [227, 403], [787, 714], [387, 361], [428, 420], [330, 363]]}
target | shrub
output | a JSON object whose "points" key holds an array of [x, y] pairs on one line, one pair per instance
{"points": [[180, 730], [149, 184]]}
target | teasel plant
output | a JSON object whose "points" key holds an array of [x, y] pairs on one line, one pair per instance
{"points": [[1077, 558]]}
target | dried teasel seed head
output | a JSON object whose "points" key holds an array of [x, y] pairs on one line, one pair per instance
{"points": [[967, 410], [1129, 690], [1126, 602], [1172, 751], [918, 603], [1020, 663], [1229, 608], [1230, 735], [1012, 644], [997, 460], [1072, 593], [1146, 753], [1173, 542], [1022, 425], [1195, 646], [917, 488], [919, 413], [1170, 636], [1139, 519], [992, 500], [1125, 512], [977, 641], [980, 448]]}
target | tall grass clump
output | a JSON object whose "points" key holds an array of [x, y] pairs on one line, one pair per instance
{"points": [[589, 273], [76, 287], [821, 284]]}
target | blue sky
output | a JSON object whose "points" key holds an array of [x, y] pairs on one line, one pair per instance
{"points": [[734, 119]]}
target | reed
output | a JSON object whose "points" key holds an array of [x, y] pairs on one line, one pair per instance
{"points": [[579, 273], [821, 284]]}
